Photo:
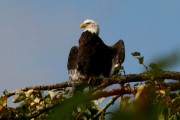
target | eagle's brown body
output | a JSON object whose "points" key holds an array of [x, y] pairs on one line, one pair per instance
{"points": [[93, 58]]}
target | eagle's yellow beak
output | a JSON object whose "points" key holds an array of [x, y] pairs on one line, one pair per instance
{"points": [[83, 25]]}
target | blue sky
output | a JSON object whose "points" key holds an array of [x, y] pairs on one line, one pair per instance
{"points": [[36, 35]]}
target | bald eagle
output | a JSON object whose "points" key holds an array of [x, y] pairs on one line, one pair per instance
{"points": [[94, 59]]}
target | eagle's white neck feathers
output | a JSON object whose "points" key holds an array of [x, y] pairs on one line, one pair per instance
{"points": [[91, 26]]}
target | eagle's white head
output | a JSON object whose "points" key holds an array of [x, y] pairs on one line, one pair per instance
{"points": [[91, 26]]}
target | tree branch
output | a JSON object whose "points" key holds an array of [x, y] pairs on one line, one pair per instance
{"points": [[107, 105], [98, 91], [44, 87], [139, 78], [108, 81]]}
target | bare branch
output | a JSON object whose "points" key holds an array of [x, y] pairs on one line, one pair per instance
{"points": [[107, 105], [44, 87]]}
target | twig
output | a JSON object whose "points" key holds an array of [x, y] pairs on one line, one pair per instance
{"points": [[42, 110], [112, 92], [111, 102], [145, 67]]}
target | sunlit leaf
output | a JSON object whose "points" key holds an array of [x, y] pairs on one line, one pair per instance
{"points": [[3, 101], [51, 93], [29, 92], [36, 100], [19, 98], [20, 92]]}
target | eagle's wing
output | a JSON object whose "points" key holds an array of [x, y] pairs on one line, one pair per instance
{"points": [[119, 55], [72, 64]]}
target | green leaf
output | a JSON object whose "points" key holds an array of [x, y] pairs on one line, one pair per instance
{"points": [[155, 67], [178, 116], [173, 117], [141, 60], [41, 93], [136, 54], [119, 68]]}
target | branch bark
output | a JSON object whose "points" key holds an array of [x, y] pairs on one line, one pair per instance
{"points": [[140, 78], [109, 81], [99, 92]]}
